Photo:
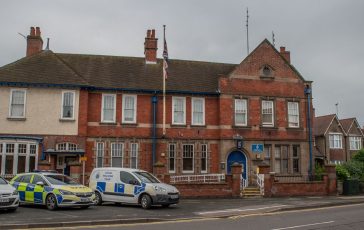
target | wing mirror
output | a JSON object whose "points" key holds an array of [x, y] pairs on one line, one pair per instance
{"points": [[40, 183]]}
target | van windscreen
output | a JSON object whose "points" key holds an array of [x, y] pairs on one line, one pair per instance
{"points": [[146, 177]]}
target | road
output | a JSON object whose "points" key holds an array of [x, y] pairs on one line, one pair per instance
{"points": [[333, 218]]}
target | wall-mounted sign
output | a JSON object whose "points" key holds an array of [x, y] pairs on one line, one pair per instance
{"points": [[239, 144], [257, 148]]}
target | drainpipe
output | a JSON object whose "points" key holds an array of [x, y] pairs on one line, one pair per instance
{"points": [[308, 92], [154, 135]]}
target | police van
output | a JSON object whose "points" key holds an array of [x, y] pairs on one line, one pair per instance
{"points": [[131, 186]]}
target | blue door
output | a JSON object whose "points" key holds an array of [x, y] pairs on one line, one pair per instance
{"points": [[238, 157]]}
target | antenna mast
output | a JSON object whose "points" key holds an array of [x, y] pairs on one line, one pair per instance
{"points": [[247, 30], [273, 39]]}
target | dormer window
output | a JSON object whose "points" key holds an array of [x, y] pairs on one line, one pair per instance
{"points": [[266, 72]]}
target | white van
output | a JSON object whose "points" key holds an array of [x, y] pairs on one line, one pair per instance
{"points": [[131, 186]]}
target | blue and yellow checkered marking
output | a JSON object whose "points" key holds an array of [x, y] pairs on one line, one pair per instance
{"points": [[139, 189], [101, 186], [119, 188]]}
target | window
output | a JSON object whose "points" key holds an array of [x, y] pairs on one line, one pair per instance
{"points": [[126, 177], [267, 154], [240, 112], [22, 154], [335, 141], [17, 103], [26, 178], [172, 158], [68, 101], [37, 179], [66, 147], [267, 113], [293, 115], [129, 108], [204, 158], [296, 158], [281, 159], [355, 143], [117, 150], [198, 111], [99, 154], [134, 156], [108, 108], [179, 110], [188, 158]]}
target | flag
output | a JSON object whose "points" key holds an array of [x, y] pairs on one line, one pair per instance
{"points": [[165, 57]]}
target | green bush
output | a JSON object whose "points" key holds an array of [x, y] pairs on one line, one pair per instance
{"points": [[342, 173], [359, 156], [319, 171], [355, 169]]}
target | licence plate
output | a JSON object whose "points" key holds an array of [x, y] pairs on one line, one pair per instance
{"points": [[4, 200], [174, 196], [85, 200]]}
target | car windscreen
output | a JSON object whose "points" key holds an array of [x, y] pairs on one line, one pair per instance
{"points": [[146, 177], [60, 180], [3, 181]]}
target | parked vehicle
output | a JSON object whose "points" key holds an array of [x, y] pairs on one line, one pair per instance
{"points": [[52, 189], [131, 186], [9, 198]]}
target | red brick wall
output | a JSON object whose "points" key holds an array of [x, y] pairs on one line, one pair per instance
{"points": [[299, 189], [204, 190]]}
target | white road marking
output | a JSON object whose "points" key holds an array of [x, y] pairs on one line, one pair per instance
{"points": [[239, 210], [305, 225]]}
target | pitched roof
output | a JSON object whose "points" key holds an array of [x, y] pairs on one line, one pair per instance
{"points": [[321, 124], [113, 72], [346, 123]]}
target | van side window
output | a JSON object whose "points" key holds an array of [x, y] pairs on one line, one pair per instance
{"points": [[126, 177]]}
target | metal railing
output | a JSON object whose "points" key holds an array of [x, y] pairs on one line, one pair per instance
{"points": [[298, 178], [260, 183], [203, 178]]}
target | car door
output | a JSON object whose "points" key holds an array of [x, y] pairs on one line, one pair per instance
{"points": [[39, 190], [127, 187], [25, 189]]}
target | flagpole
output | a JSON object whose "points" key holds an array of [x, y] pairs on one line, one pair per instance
{"points": [[164, 86]]}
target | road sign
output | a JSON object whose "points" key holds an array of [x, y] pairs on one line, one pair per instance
{"points": [[257, 148], [83, 158]]}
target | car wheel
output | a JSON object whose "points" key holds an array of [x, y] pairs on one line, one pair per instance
{"points": [[51, 202], [98, 198], [146, 201], [165, 205]]}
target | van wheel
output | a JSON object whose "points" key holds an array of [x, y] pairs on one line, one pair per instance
{"points": [[98, 198], [146, 201], [51, 202]]}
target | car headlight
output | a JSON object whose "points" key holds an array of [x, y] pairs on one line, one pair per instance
{"points": [[64, 192], [15, 192], [159, 189]]}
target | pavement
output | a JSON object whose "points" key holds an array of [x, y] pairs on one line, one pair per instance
{"points": [[31, 216]]}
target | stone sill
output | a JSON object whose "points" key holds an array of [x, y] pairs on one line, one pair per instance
{"points": [[66, 120], [16, 118]]}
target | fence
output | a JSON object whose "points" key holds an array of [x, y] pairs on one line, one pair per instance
{"points": [[204, 178]]}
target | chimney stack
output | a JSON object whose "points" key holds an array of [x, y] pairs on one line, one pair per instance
{"points": [[285, 54], [34, 41], [150, 47]]}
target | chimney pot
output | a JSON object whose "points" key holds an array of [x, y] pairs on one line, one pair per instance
{"points": [[37, 31], [148, 33], [32, 31], [153, 33]]}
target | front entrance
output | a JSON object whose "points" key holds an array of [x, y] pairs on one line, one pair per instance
{"points": [[237, 157], [63, 163]]}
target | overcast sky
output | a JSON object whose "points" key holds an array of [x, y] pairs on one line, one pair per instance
{"points": [[325, 37]]}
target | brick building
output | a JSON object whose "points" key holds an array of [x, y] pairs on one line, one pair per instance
{"points": [[216, 113]]}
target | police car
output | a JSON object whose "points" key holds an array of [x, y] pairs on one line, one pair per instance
{"points": [[52, 189], [131, 186], [9, 198]]}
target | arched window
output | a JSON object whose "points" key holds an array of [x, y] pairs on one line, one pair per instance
{"points": [[66, 146]]}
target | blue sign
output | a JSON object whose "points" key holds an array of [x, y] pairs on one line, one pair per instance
{"points": [[257, 148]]}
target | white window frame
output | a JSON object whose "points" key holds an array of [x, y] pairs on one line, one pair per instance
{"points": [[73, 105], [135, 108], [193, 159], [206, 159], [193, 100], [297, 108], [11, 102], [102, 108], [333, 138], [184, 110], [97, 154], [245, 122], [174, 157], [267, 124], [67, 147], [136, 155], [355, 142], [121, 150]]}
